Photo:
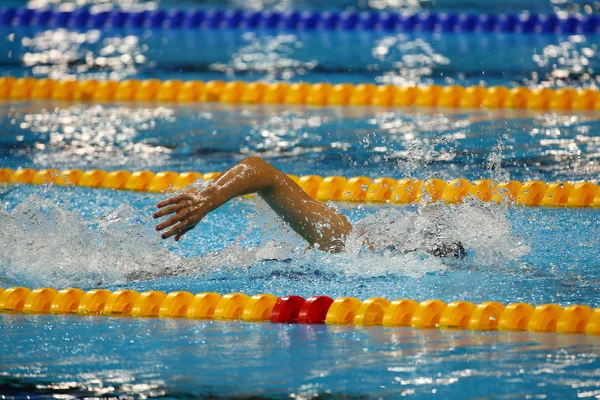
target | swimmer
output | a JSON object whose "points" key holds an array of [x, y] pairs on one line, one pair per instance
{"points": [[321, 226]]}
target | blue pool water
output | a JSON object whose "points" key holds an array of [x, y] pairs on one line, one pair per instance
{"points": [[88, 238], [347, 141], [182, 359], [511, 59]]}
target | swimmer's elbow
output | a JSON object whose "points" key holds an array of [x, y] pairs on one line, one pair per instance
{"points": [[259, 170], [255, 163]]}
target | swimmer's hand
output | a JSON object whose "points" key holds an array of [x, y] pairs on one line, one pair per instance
{"points": [[188, 208]]}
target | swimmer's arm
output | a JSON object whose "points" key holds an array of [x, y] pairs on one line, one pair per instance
{"points": [[315, 222]]}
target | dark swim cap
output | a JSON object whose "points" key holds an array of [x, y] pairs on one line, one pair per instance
{"points": [[448, 250]]}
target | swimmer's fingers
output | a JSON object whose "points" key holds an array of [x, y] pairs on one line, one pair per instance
{"points": [[182, 226], [183, 232], [173, 220], [168, 210], [172, 200]]}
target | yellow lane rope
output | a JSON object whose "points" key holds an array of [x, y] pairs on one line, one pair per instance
{"points": [[486, 316], [317, 94], [336, 188]]}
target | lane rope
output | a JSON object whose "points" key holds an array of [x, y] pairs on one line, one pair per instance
{"points": [[486, 316], [86, 18], [360, 189], [316, 94]]}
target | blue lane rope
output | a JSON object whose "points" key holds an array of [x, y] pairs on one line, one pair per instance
{"points": [[83, 18]]}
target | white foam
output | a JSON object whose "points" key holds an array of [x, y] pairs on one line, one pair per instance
{"points": [[482, 228]]}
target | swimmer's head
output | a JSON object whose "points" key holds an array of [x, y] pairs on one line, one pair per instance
{"points": [[448, 250]]}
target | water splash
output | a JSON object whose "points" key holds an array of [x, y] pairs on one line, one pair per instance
{"points": [[390, 242], [481, 228], [494, 163], [44, 243]]}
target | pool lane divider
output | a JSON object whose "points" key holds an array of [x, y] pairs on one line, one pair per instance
{"points": [[316, 94], [486, 316], [358, 189], [250, 20]]}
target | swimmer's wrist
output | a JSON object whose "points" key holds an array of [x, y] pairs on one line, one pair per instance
{"points": [[212, 199]]}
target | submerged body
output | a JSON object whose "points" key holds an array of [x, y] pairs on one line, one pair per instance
{"points": [[321, 226]]}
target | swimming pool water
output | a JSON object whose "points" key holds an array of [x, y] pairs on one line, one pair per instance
{"points": [[401, 58], [96, 238], [182, 359], [348, 141]]}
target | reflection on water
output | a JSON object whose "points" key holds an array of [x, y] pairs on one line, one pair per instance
{"points": [[411, 60], [571, 62], [95, 4], [541, 6], [63, 54], [268, 56], [92, 134], [183, 358], [303, 140], [340, 56]]}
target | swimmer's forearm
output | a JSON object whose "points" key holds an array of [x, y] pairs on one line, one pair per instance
{"points": [[252, 175], [315, 222]]}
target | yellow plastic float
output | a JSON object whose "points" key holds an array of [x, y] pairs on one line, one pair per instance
{"points": [[231, 306], [428, 314], [316, 94], [66, 301], [203, 305], [148, 304], [336, 188]]}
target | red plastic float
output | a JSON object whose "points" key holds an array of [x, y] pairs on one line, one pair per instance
{"points": [[287, 309], [314, 310]]}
